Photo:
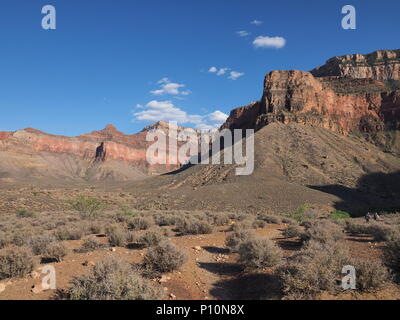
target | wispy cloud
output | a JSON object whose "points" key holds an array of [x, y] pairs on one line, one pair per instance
{"points": [[243, 33], [233, 75], [167, 111], [269, 42], [256, 22], [168, 87]]}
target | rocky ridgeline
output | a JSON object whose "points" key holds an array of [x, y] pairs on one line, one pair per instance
{"points": [[341, 96]]}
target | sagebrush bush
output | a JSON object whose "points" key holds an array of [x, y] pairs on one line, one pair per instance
{"points": [[355, 227], [16, 262], [165, 257], [113, 279], [151, 238], [323, 231], [91, 244], [219, 219], [117, 235], [259, 253], [55, 251], [243, 224], [167, 219], [25, 213], [69, 232], [88, 208], [258, 224], [316, 268], [39, 244], [269, 218], [140, 223], [293, 231], [392, 254], [234, 240], [193, 226], [382, 232], [370, 275]]}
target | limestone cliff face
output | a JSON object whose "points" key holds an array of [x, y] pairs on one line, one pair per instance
{"points": [[379, 65]]}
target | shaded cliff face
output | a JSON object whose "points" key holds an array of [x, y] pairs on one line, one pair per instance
{"points": [[379, 65], [107, 154]]}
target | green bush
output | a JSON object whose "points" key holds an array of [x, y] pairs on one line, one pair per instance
{"points": [[259, 253], [88, 208], [16, 262], [113, 279], [339, 215], [164, 257]]}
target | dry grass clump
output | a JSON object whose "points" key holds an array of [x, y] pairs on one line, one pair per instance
{"points": [[40, 243], [316, 268], [21, 237], [3, 240], [193, 226], [355, 227], [167, 219], [151, 238], [165, 257], [269, 218], [234, 240], [88, 208], [55, 251], [117, 235], [245, 224], [219, 219], [16, 262], [259, 253], [113, 279], [382, 232], [140, 223], [323, 231], [392, 254]]}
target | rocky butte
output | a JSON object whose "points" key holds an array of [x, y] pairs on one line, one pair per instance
{"points": [[350, 94]]}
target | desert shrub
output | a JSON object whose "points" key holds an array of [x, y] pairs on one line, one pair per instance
{"points": [[382, 232], [151, 238], [55, 251], [234, 240], [112, 279], [293, 231], [219, 219], [339, 215], [140, 223], [259, 224], [302, 215], [117, 235], [39, 244], [243, 225], [269, 218], [16, 262], [289, 221], [95, 228], [24, 213], [259, 253], [88, 208], [370, 275], [164, 257], [193, 226], [392, 254], [71, 232], [3, 240], [91, 244], [356, 227], [316, 268], [323, 231], [166, 219], [20, 238]]}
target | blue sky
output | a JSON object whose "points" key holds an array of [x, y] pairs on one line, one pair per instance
{"points": [[111, 59]]}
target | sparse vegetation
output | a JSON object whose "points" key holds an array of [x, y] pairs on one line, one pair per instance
{"points": [[151, 238], [55, 251], [25, 213], [164, 257], [323, 231], [16, 262], [113, 279], [370, 275], [39, 244], [140, 223], [293, 231], [259, 253], [71, 232], [91, 244], [117, 235]]}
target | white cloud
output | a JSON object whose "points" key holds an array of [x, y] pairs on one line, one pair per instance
{"points": [[243, 33], [168, 87], [213, 70], [222, 71], [234, 75], [269, 42], [167, 111], [256, 22]]}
